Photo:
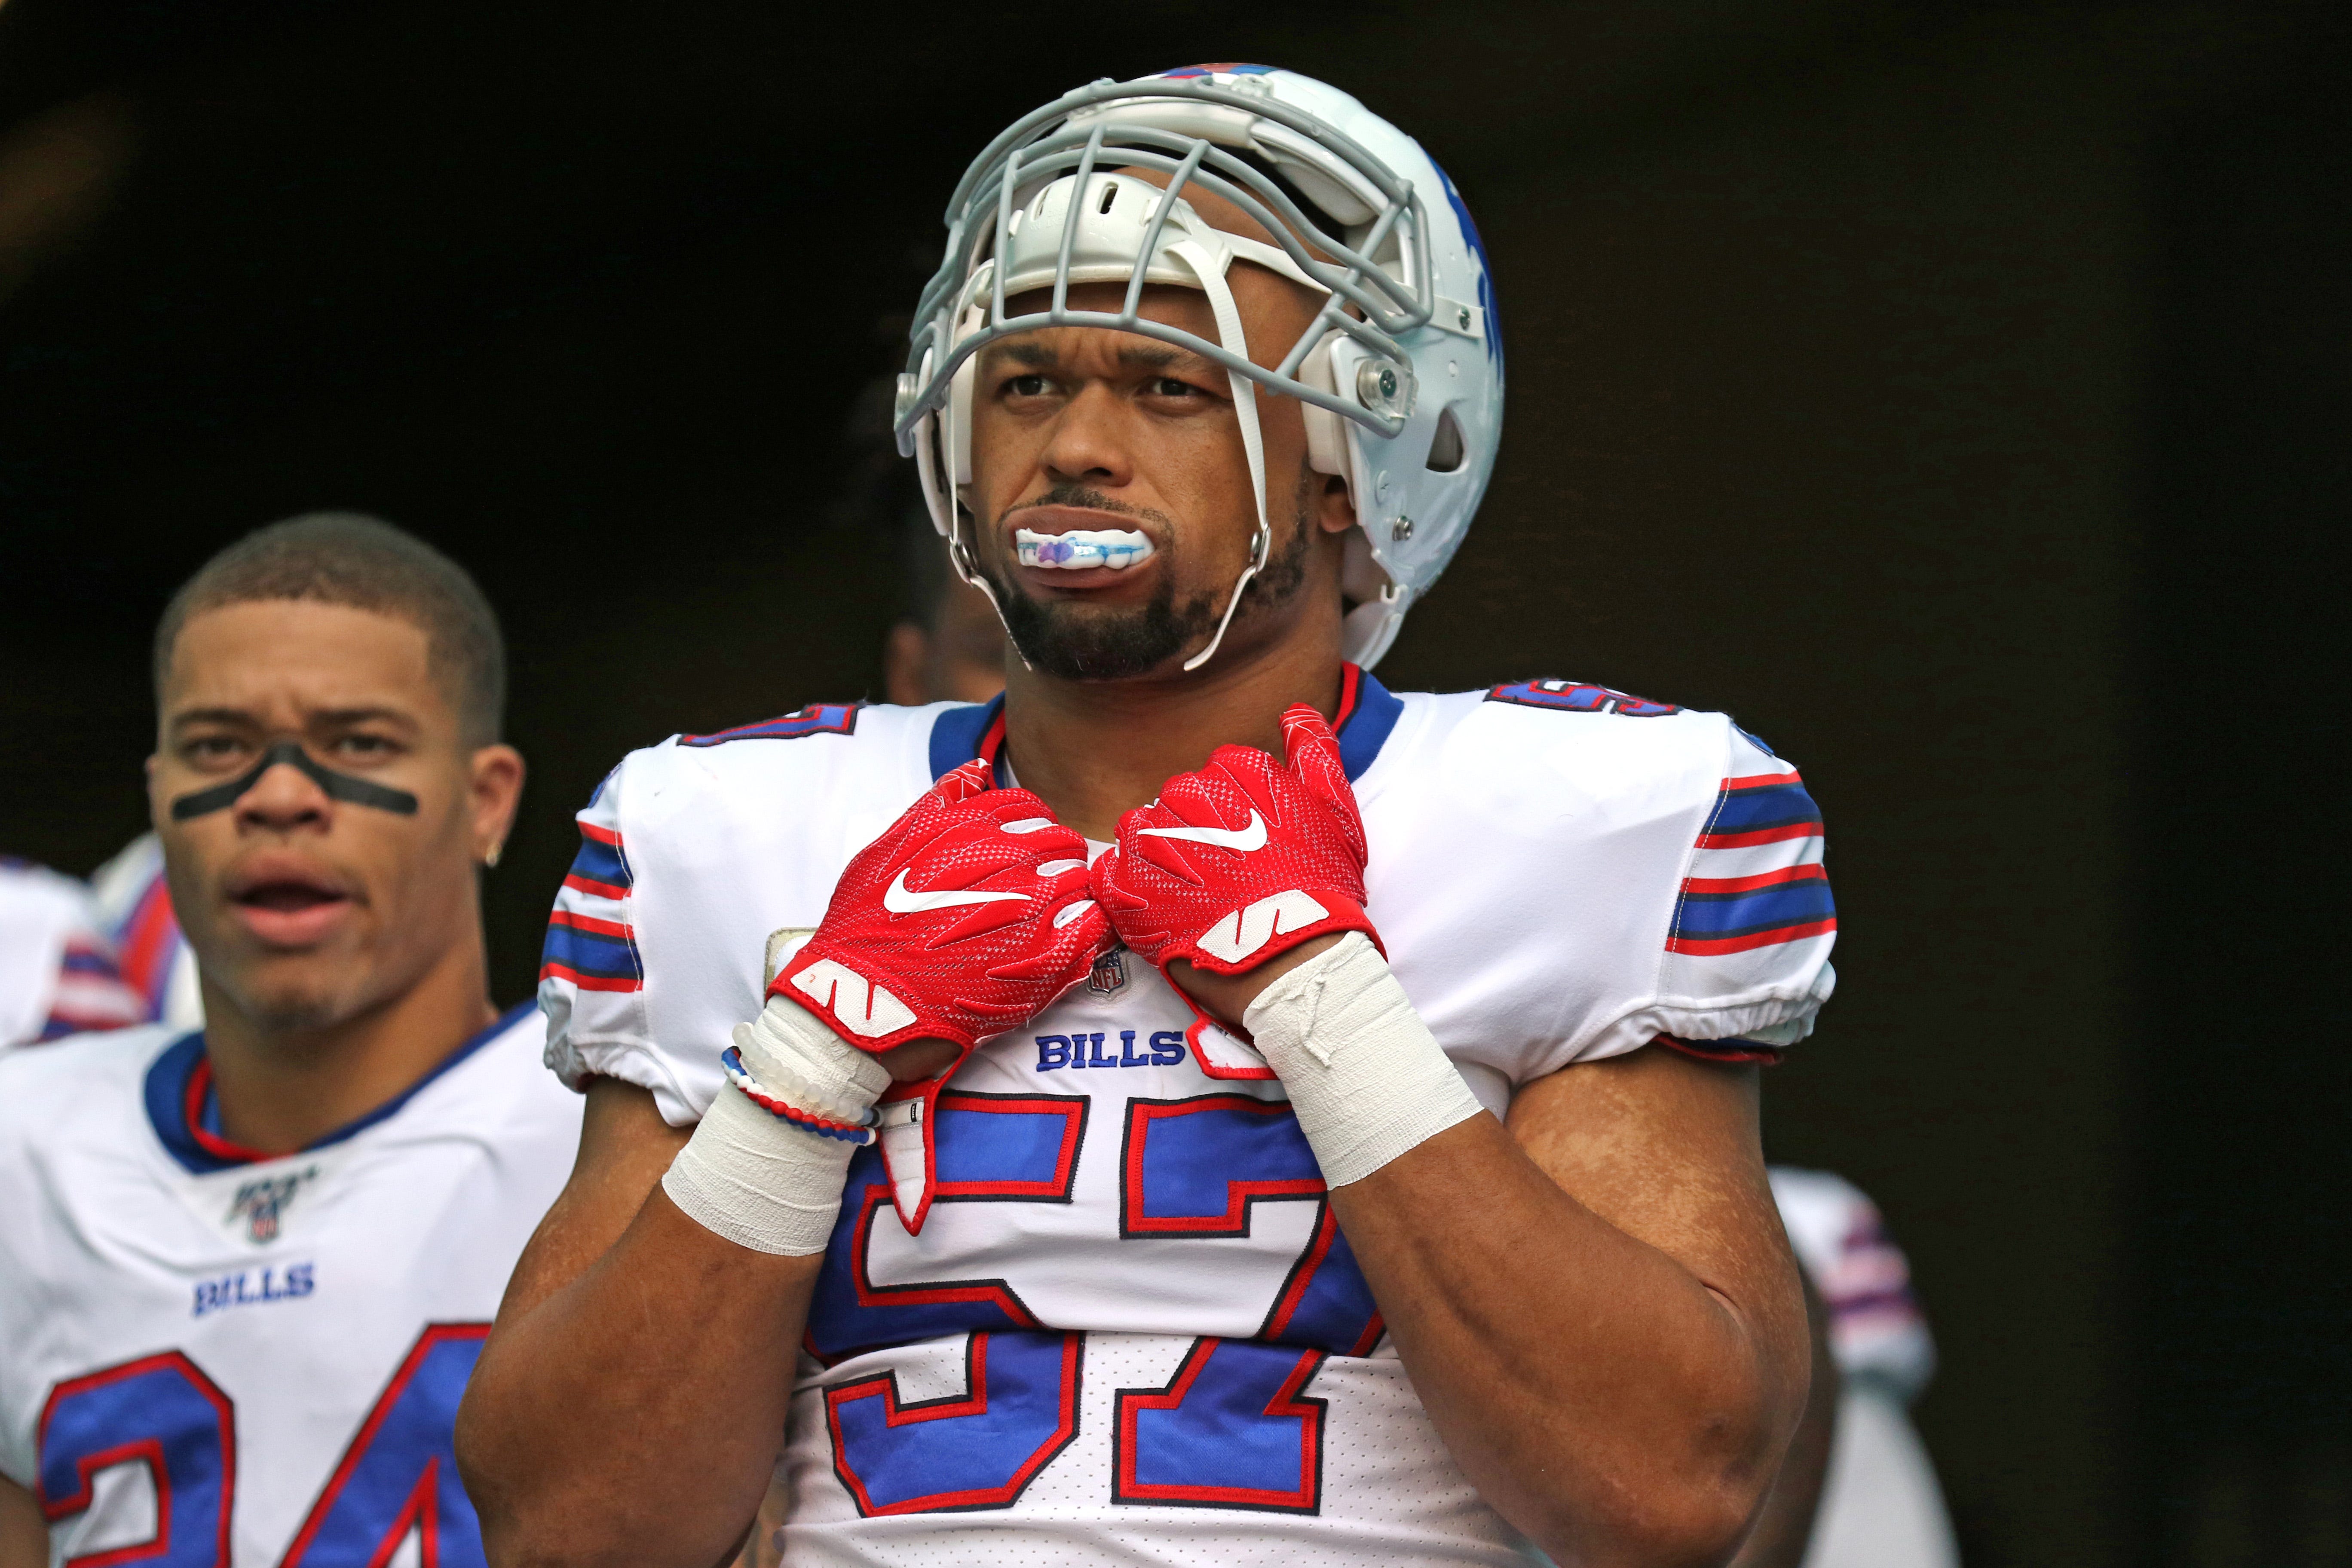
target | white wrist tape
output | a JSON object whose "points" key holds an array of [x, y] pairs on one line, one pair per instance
{"points": [[795, 1055], [760, 1180], [1365, 1076]]}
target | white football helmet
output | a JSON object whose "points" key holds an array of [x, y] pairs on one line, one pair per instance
{"points": [[1403, 394]]}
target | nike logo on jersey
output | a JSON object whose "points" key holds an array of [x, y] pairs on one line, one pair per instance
{"points": [[862, 1009], [1241, 838], [1243, 932], [901, 899]]}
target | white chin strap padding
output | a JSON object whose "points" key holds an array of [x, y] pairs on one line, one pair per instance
{"points": [[1327, 439], [959, 395], [1211, 270]]}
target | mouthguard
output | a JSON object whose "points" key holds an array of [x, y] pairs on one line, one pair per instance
{"points": [[1082, 548]]}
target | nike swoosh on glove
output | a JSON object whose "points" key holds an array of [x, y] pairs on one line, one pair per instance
{"points": [[964, 919], [1243, 860]]}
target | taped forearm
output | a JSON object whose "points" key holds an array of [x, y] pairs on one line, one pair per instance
{"points": [[1365, 1076], [766, 1167]]}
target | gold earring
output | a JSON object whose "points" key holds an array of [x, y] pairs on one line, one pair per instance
{"points": [[490, 861]]}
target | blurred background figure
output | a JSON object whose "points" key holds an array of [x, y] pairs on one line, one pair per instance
{"points": [[134, 907], [58, 970], [946, 645], [1880, 1506]]}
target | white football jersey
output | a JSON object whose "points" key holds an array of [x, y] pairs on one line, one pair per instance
{"points": [[1128, 1329], [213, 1359], [57, 972]]}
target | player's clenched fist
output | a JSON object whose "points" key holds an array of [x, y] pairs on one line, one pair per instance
{"points": [[1243, 859], [962, 921]]}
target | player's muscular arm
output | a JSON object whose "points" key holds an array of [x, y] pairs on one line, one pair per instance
{"points": [[628, 1405], [24, 1537], [1597, 1307], [1622, 1386], [1784, 1528], [1597, 1304]]}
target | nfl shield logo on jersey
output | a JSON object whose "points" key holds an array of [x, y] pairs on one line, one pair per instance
{"points": [[262, 1203], [1109, 976]]}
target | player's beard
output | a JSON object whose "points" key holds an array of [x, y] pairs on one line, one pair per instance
{"points": [[1092, 642]]}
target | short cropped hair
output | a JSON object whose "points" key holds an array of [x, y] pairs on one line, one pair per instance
{"points": [[351, 558]]}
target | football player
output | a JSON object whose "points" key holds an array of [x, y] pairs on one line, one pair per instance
{"points": [[1872, 1522], [57, 972], [1203, 1107], [245, 1272]]}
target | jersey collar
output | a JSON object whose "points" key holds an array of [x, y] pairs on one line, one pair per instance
{"points": [[961, 735], [187, 1118], [1367, 712]]}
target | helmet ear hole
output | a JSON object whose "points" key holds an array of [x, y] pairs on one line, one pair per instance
{"points": [[1447, 451]]}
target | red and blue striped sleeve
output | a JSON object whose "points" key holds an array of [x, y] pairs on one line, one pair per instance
{"points": [[91, 991], [1755, 912], [58, 974], [592, 976]]}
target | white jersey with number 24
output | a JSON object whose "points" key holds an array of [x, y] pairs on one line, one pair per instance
{"points": [[213, 1358]]}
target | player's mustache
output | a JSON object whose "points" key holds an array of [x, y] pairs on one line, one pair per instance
{"points": [[1077, 495]]}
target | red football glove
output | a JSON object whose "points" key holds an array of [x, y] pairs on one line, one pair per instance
{"points": [[1243, 859], [963, 921]]}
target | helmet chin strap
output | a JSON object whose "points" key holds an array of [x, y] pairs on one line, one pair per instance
{"points": [[1211, 270], [959, 559]]}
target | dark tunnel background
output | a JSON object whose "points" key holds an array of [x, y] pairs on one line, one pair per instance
{"points": [[1957, 393]]}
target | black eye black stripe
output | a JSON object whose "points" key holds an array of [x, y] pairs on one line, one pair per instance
{"points": [[339, 786]]}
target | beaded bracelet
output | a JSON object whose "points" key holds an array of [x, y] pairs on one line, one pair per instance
{"points": [[730, 1061]]}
